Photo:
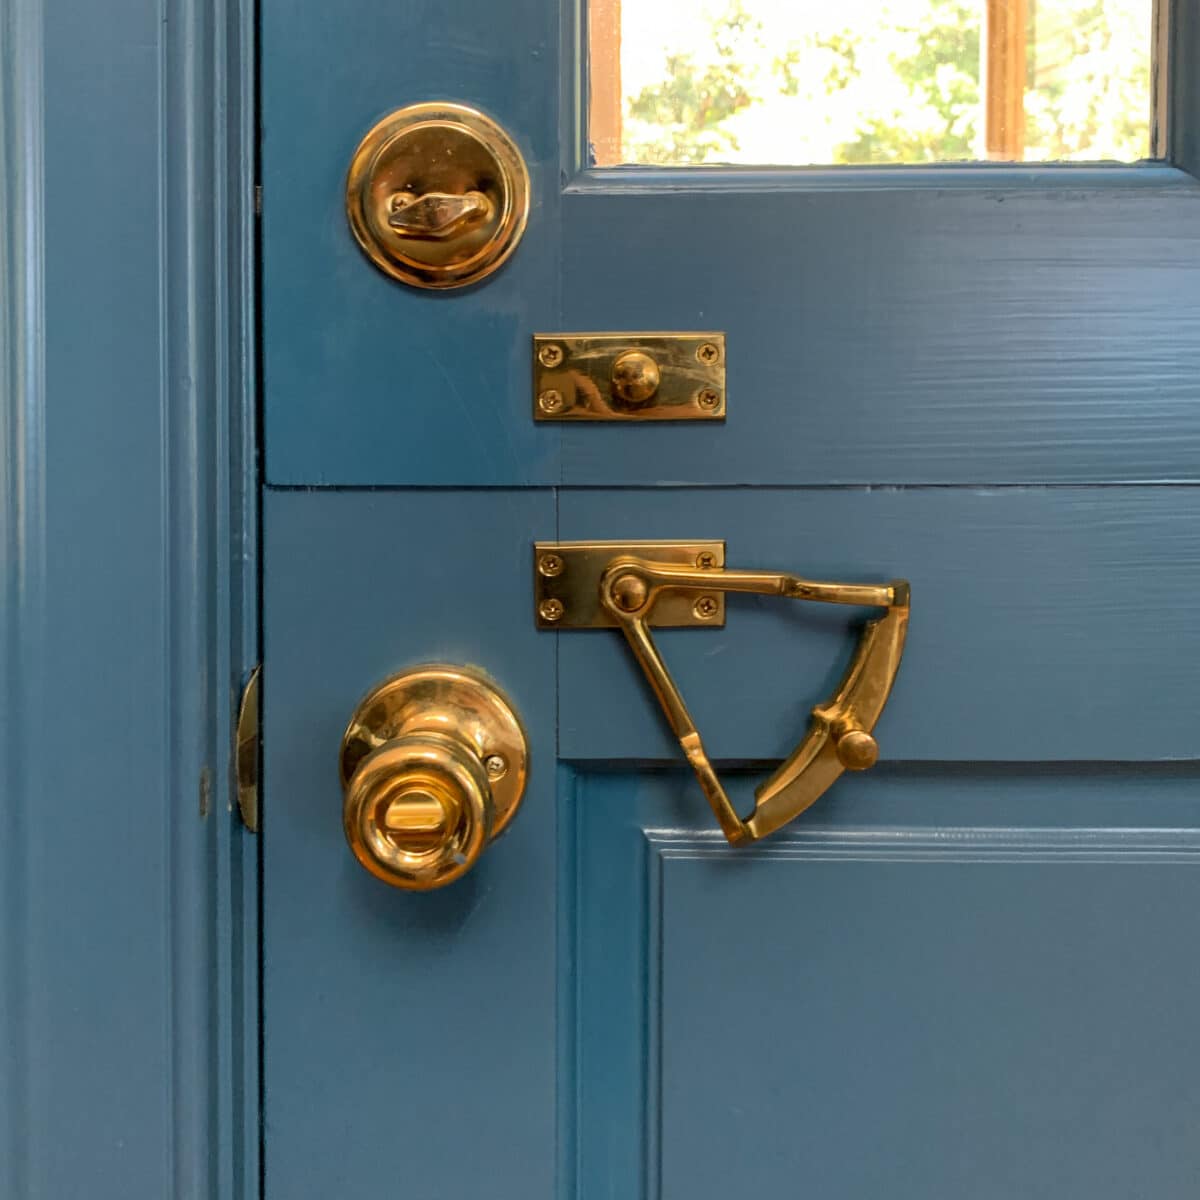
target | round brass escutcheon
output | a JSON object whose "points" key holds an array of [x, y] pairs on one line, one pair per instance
{"points": [[433, 767], [635, 377], [437, 195]]}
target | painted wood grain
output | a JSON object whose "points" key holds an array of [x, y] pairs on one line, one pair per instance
{"points": [[374, 997], [1047, 623], [128, 979], [1040, 333], [963, 325], [367, 381]]}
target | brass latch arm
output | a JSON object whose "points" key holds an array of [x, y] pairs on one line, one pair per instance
{"points": [[840, 736]]}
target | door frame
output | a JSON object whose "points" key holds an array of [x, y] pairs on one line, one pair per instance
{"points": [[153, 105]]}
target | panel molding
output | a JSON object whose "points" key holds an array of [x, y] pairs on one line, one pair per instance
{"points": [[964, 844], [23, 471], [623, 833], [950, 844]]}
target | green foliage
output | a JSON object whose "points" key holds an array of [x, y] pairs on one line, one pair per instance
{"points": [[906, 89], [1089, 96], [682, 118], [939, 113]]}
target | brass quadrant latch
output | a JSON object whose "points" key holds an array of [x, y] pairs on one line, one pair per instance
{"points": [[634, 586]]}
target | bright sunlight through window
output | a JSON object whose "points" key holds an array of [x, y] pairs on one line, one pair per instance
{"points": [[802, 82]]}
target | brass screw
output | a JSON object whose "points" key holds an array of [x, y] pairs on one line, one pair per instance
{"points": [[708, 398], [550, 401], [550, 565], [708, 354], [706, 558], [550, 356], [705, 608], [551, 610], [495, 766]]}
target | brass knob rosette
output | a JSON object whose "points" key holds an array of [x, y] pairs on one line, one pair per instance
{"points": [[433, 767]]}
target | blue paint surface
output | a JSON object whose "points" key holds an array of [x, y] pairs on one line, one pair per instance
{"points": [[909, 327], [127, 932], [368, 381], [1042, 617], [981, 976], [972, 981], [403, 1033], [967, 973]]}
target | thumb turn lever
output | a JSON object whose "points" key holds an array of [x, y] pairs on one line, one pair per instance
{"points": [[437, 214], [638, 581]]}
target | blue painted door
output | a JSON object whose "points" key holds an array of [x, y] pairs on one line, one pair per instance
{"points": [[972, 971]]}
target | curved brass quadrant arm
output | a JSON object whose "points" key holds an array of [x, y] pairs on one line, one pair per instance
{"points": [[840, 735]]}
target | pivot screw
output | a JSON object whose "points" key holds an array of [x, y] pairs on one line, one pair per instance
{"points": [[857, 750], [550, 356], [550, 565], [705, 608], [551, 610], [708, 398], [706, 558], [630, 592], [550, 401], [708, 353]]}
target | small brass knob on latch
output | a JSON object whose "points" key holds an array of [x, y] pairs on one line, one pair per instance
{"points": [[433, 768], [635, 378]]}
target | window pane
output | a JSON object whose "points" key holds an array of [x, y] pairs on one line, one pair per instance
{"points": [[869, 81]]}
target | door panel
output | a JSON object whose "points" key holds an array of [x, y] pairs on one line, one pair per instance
{"points": [[1021, 326], [999, 334], [388, 1027], [924, 991], [1040, 616], [366, 382]]}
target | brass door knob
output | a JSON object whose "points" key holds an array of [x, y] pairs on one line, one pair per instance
{"points": [[433, 768], [437, 195]]}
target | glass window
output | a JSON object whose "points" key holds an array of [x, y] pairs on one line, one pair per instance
{"points": [[806, 82]]}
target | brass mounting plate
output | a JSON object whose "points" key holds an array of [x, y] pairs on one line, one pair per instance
{"points": [[574, 377], [566, 581]]}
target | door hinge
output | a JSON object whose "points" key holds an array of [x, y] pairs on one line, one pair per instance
{"points": [[246, 760]]}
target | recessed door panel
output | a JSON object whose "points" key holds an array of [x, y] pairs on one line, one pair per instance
{"points": [[924, 990]]}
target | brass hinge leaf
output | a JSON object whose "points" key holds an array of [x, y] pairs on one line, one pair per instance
{"points": [[246, 759]]}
